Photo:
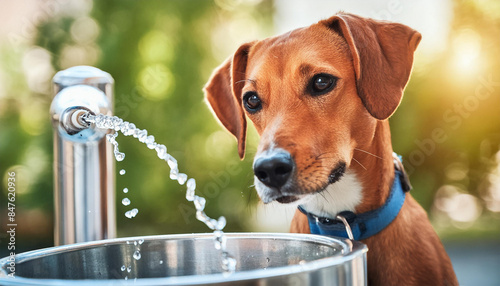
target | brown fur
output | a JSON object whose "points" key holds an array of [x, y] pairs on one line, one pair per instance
{"points": [[372, 61]]}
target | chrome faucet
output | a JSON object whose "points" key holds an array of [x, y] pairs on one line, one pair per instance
{"points": [[84, 177]]}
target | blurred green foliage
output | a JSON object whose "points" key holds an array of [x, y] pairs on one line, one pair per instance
{"points": [[161, 53]]}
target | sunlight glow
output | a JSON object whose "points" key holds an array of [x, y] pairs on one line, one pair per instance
{"points": [[466, 48]]}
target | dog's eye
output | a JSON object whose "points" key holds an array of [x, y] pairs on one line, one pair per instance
{"points": [[252, 102], [322, 83]]}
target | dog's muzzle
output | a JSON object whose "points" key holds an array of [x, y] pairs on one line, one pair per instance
{"points": [[274, 169], [275, 177]]}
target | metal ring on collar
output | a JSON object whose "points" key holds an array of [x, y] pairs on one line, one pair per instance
{"points": [[347, 226]]}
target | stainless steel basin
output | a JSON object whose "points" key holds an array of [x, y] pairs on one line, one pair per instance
{"points": [[191, 259]]}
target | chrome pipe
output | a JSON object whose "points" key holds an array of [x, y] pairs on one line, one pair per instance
{"points": [[84, 182]]}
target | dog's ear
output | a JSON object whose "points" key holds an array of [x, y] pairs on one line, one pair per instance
{"points": [[223, 93], [382, 55]]}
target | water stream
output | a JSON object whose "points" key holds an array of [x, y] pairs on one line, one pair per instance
{"points": [[129, 129]]}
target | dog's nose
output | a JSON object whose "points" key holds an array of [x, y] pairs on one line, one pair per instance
{"points": [[275, 170]]}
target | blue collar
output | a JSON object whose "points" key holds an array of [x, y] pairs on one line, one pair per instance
{"points": [[366, 224]]}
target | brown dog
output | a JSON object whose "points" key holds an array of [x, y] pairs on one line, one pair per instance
{"points": [[320, 97]]}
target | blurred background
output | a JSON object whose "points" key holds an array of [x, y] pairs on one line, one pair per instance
{"points": [[161, 53]]}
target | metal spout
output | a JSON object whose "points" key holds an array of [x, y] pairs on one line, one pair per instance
{"points": [[84, 185], [73, 119]]}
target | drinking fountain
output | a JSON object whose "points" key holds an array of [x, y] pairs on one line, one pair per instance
{"points": [[86, 252], [84, 184]]}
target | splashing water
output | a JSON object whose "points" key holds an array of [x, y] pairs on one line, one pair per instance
{"points": [[129, 129], [112, 139]]}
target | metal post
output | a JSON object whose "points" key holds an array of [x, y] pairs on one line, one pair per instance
{"points": [[84, 182]]}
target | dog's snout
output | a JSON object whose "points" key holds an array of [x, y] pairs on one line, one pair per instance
{"points": [[275, 170]]}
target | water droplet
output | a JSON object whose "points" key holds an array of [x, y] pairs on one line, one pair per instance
{"points": [[137, 255], [181, 178], [173, 174], [268, 259], [161, 261], [125, 202], [129, 268], [199, 203], [171, 161], [119, 156], [108, 123], [131, 213], [123, 268], [201, 216], [221, 223], [98, 120], [141, 241], [228, 263], [130, 129], [122, 172], [117, 123], [220, 240], [210, 223], [161, 151], [126, 278], [191, 184], [135, 134], [218, 245], [150, 142], [190, 195], [110, 137], [142, 135], [223, 241], [125, 128], [125, 190]]}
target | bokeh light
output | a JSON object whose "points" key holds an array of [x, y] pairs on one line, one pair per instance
{"points": [[155, 46], [156, 81]]}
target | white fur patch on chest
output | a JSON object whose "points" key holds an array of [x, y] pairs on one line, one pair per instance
{"points": [[343, 195]]}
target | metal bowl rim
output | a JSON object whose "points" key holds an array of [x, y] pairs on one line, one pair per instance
{"points": [[351, 250]]}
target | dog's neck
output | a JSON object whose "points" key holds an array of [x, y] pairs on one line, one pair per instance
{"points": [[366, 184], [375, 169]]}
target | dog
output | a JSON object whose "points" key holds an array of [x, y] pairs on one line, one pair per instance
{"points": [[320, 97]]}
